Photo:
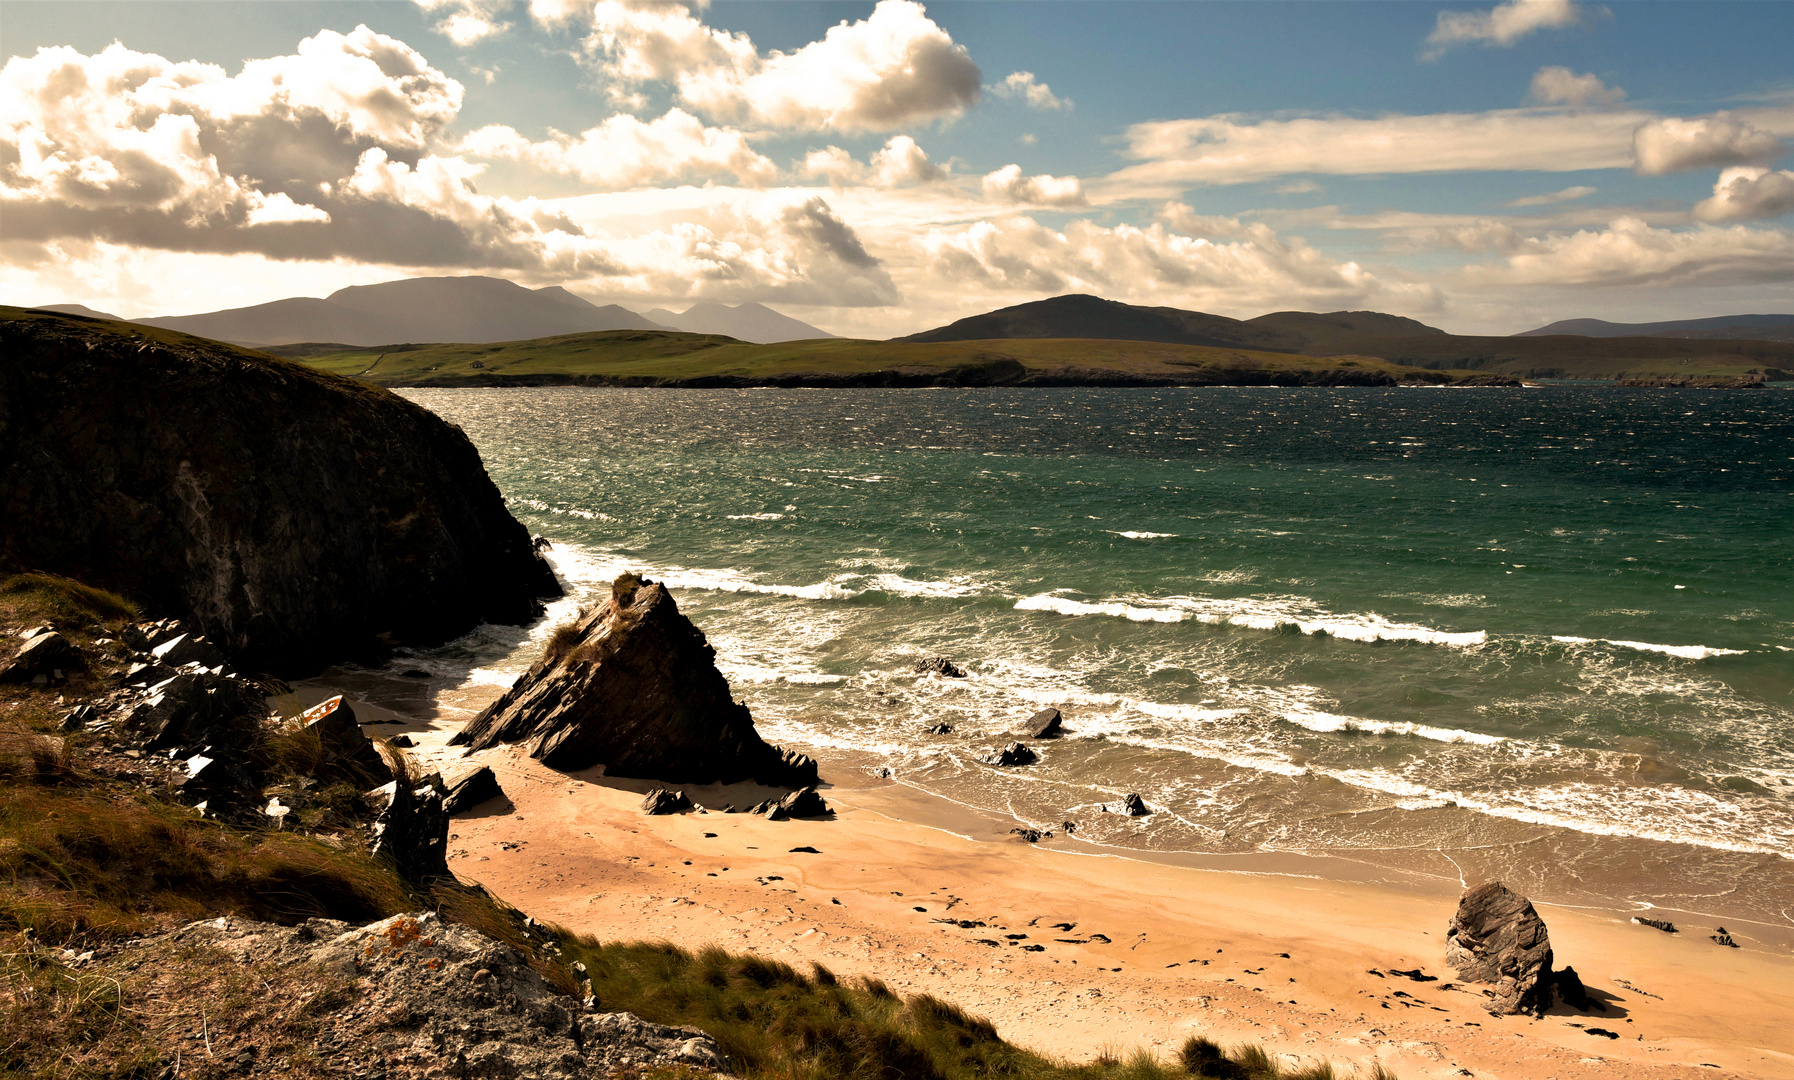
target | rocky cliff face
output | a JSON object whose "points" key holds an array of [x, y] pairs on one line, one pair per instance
{"points": [[634, 686], [295, 517]]}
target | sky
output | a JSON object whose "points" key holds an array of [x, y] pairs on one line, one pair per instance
{"points": [[880, 168]]}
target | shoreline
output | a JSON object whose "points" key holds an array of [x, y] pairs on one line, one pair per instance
{"points": [[575, 849]]}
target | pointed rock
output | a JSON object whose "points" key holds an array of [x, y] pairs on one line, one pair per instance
{"points": [[665, 801], [347, 751], [467, 787], [635, 688], [1013, 754], [1496, 938], [1046, 724]]}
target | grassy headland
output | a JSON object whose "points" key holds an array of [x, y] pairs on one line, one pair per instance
{"points": [[658, 358]]}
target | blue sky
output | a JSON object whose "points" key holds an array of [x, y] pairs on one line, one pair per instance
{"points": [[880, 168]]}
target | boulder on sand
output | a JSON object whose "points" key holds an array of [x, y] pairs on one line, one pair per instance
{"points": [[467, 786], [634, 687], [666, 801], [1496, 938]]}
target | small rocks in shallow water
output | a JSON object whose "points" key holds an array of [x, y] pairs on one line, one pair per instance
{"points": [[1723, 938], [1132, 806], [1046, 724], [663, 801], [1068, 827], [940, 729], [1658, 924], [1032, 836], [939, 665], [1013, 754]]}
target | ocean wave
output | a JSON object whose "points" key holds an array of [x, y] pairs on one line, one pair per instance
{"points": [[756, 517], [1254, 614], [1144, 535], [1686, 652], [1330, 722]]}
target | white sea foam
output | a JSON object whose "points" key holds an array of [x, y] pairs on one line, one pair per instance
{"points": [[1066, 606], [1145, 535], [1315, 720], [756, 517], [1686, 652], [1254, 614]]}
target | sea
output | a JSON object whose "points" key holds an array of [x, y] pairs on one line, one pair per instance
{"points": [[1544, 635]]}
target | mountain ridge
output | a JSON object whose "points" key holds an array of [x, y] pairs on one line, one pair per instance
{"points": [[752, 322], [1722, 327]]}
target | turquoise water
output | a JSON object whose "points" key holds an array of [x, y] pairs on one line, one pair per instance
{"points": [[1540, 634]]}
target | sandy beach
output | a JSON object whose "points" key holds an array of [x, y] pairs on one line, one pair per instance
{"points": [[1078, 953]]}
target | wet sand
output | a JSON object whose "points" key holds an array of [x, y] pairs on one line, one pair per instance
{"points": [[1118, 953]]}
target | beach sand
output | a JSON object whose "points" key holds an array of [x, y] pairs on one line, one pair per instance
{"points": [[1125, 953]]}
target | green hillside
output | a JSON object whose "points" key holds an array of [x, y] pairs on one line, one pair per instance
{"points": [[657, 358]]}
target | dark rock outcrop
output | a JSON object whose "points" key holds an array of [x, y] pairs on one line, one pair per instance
{"points": [[344, 751], [42, 656], [1046, 724], [1132, 806], [939, 665], [942, 728], [467, 787], [666, 801], [1496, 938], [804, 803], [635, 688], [411, 833], [293, 517], [1571, 992], [1013, 754]]}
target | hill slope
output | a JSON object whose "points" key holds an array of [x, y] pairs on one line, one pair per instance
{"points": [[1082, 316], [663, 358], [473, 309], [1730, 327], [749, 322]]}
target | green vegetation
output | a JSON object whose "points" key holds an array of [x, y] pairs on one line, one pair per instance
{"points": [[93, 854], [650, 358]]}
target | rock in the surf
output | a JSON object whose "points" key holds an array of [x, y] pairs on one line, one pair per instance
{"points": [[633, 686], [1046, 724], [1013, 754], [939, 665], [1496, 938], [1132, 806], [942, 728]]}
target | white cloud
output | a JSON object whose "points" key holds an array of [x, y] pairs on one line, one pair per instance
{"points": [[1561, 86], [1298, 187], [899, 162], [1231, 150], [1745, 193], [1504, 24], [1259, 272], [1580, 191], [1036, 94], [467, 21], [1009, 185], [1676, 144], [1184, 219], [625, 152], [1629, 253], [895, 67]]}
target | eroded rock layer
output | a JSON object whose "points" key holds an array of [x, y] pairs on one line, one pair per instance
{"points": [[634, 687]]}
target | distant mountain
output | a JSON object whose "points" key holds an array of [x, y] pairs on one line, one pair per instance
{"points": [[78, 309], [1723, 327], [464, 309], [1081, 316], [745, 322]]}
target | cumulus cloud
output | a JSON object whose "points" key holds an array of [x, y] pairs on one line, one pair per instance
{"points": [[1677, 144], [467, 21], [898, 163], [1561, 86], [1745, 193], [1580, 191], [1230, 150], [1022, 85], [1503, 25], [1630, 253], [894, 68], [624, 151], [1009, 185], [1257, 272]]}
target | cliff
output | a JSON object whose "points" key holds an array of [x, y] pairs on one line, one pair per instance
{"points": [[633, 686], [296, 517]]}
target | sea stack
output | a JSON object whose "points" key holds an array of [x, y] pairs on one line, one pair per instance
{"points": [[633, 686]]}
